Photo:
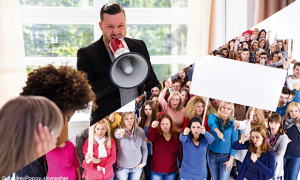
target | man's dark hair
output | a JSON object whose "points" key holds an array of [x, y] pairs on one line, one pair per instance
{"points": [[220, 54], [285, 90], [111, 8], [246, 49], [296, 64], [263, 53]]}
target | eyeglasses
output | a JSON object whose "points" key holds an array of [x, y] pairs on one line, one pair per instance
{"points": [[263, 57]]}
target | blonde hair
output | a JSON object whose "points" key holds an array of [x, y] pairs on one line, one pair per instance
{"points": [[289, 107], [19, 119], [192, 105], [223, 103], [260, 116], [122, 123], [105, 124]]}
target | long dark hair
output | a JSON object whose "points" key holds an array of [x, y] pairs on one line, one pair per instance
{"points": [[262, 31], [195, 119], [144, 116]]}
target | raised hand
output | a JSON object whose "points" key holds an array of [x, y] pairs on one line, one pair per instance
{"points": [[154, 124], [243, 138], [44, 140], [186, 131], [285, 64], [296, 86], [111, 118], [121, 131], [202, 130], [236, 124], [168, 84]]}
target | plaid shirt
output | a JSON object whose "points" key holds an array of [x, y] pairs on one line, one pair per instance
{"points": [[274, 140]]}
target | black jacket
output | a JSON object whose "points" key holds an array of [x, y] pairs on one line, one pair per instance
{"points": [[95, 61]]}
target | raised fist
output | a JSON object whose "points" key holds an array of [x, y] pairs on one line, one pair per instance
{"points": [[186, 131], [155, 124]]}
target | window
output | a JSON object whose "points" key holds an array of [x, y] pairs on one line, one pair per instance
{"points": [[55, 29]]}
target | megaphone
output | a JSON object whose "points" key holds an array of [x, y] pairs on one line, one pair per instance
{"points": [[129, 69]]}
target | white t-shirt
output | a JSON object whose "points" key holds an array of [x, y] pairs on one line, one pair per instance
{"points": [[290, 82]]}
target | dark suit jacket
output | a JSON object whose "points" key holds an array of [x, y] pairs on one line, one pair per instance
{"points": [[95, 61]]}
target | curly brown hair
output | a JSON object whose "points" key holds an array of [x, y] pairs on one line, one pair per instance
{"points": [[67, 87]]}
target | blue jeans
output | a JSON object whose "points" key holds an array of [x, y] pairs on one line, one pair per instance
{"points": [[125, 173], [191, 179], [216, 166], [291, 167], [163, 176]]}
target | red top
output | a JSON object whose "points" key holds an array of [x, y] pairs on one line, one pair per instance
{"points": [[165, 153], [186, 123], [161, 113], [90, 170]]}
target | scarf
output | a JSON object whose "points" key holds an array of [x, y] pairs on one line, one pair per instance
{"points": [[102, 151], [274, 140], [137, 107], [221, 126], [131, 135], [288, 123]]}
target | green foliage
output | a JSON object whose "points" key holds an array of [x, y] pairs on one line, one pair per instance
{"points": [[152, 3], [57, 3], [44, 40]]}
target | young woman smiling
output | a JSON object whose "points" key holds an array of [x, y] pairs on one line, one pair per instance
{"points": [[221, 155], [99, 165], [279, 141], [166, 148], [194, 141], [259, 163], [292, 154], [257, 119], [132, 148]]}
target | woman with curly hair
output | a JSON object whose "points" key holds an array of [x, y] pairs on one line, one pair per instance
{"points": [[70, 91], [291, 122], [220, 154], [99, 165], [166, 148], [257, 120], [195, 108], [259, 162], [24, 121]]}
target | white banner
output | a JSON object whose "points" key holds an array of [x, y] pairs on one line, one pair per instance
{"points": [[238, 82]]}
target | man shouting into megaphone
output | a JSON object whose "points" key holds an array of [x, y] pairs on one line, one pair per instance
{"points": [[96, 60]]}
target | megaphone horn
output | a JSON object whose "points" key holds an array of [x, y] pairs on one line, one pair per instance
{"points": [[129, 69]]}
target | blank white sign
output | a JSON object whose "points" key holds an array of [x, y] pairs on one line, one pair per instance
{"points": [[288, 22], [238, 82]]}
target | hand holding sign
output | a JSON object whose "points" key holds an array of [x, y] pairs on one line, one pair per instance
{"points": [[243, 138], [202, 130], [88, 157]]}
